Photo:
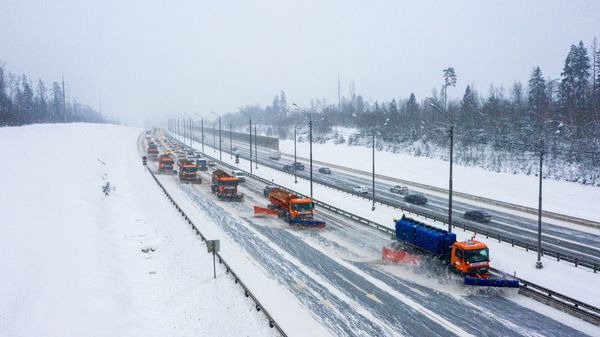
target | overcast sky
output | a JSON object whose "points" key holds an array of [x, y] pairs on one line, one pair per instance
{"points": [[157, 58]]}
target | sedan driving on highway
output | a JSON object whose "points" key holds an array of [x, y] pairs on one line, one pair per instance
{"points": [[399, 189], [361, 189], [478, 215], [325, 170], [417, 199]]}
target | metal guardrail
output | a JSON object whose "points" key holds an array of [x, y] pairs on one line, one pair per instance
{"points": [[572, 306], [247, 292], [564, 303]]}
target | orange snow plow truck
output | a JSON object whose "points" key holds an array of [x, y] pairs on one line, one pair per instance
{"points": [[225, 186], [152, 151], [297, 211], [188, 172], [166, 164]]}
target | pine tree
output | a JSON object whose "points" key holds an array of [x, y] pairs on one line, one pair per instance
{"points": [[5, 103], [469, 116], [40, 102], [537, 96]]}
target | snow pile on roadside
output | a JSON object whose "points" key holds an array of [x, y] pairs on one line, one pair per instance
{"points": [[79, 262]]}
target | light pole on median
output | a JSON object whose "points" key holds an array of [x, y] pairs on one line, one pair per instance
{"points": [[310, 132], [373, 208], [250, 131], [255, 148], [220, 139], [295, 160], [450, 118], [197, 114]]}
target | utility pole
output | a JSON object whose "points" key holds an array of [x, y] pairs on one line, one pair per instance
{"points": [[450, 118], [255, 148], [250, 131], [539, 264], [373, 208], [64, 99], [295, 160]]}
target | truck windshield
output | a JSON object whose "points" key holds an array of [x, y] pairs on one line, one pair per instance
{"points": [[189, 169], [477, 255], [229, 183], [303, 207]]}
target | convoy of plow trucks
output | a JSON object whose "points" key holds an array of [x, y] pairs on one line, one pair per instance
{"points": [[412, 243]]}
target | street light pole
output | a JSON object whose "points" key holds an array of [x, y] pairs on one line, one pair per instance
{"points": [[373, 208], [539, 264], [250, 131], [310, 132], [450, 118], [295, 176], [255, 148], [230, 143]]}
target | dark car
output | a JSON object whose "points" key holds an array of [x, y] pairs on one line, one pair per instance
{"points": [[288, 168], [478, 215], [298, 166], [268, 190], [417, 199], [325, 170]]}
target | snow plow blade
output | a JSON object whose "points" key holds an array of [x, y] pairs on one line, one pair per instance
{"points": [[260, 210], [397, 256], [307, 223], [170, 172], [487, 282]]}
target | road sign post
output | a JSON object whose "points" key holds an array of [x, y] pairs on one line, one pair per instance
{"points": [[213, 246]]}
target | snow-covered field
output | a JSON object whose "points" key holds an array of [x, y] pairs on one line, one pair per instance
{"points": [[72, 259], [73, 263]]}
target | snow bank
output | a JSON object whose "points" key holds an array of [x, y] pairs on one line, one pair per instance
{"points": [[73, 257]]}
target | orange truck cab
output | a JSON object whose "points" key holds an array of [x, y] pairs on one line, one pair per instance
{"points": [[225, 186], [165, 163], [292, 206], [153, 152], [187, 172], [471, 258]]}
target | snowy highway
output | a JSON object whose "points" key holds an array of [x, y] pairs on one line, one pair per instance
{"points": [[336, 274], [567, 241]]}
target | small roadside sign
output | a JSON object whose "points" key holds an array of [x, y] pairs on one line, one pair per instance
{"points": [[213, 246]]}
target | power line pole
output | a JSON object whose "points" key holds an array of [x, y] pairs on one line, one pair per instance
{"points": [[64, 99], [539, 264]]}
